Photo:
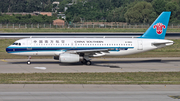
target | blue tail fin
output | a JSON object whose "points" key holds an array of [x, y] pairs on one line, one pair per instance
{"points": [[158, 29]]}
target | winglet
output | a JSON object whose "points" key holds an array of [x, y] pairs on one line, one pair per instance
{"points": [[158, 29]]}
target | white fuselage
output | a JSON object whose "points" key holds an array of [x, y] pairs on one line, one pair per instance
{"points": [[56, 46]]}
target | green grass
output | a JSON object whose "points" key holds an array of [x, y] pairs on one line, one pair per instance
{"points": [[170, 51], [92, 78], [82, 30]]}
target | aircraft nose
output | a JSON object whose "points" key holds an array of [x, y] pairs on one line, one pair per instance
{"points": [[8, 49]]}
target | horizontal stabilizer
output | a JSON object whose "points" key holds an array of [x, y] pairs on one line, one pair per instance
{"points": [[163, 43]]}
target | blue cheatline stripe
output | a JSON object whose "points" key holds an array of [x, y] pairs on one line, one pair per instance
{"points": [[67, 47], [36, 51], [59, 49], [42, 51]]}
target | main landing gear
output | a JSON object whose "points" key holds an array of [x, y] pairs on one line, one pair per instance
{"points": [[85, 59], [29, 62], [87, 62]]}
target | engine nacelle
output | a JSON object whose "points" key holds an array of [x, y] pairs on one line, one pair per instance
{"points": [[69, 58]]}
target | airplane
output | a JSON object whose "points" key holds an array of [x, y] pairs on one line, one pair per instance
{"points": [[73, 50]]}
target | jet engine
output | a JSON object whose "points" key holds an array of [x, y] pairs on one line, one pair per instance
{"points": [[68, 58]]}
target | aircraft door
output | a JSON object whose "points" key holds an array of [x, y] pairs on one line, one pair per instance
{"points": [[140, 45], [29, 44]]}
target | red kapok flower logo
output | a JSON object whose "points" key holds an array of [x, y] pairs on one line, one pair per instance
{"points": [[159, 28]]}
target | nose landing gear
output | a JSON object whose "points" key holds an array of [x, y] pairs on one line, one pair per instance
{"points": [[29, 62]]}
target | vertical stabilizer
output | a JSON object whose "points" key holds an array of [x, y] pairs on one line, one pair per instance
{"points": [[158, 29]]}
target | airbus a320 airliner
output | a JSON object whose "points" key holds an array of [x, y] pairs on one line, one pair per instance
{"points": [[72, 50]]}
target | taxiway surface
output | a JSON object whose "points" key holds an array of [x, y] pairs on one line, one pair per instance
{"points": [[56, 92], [98, 65]]}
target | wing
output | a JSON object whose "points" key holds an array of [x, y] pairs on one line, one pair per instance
{"points": [[90, 52]]}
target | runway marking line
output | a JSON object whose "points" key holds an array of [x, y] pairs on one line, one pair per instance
{"points": [[41, 68], [3, 60]]}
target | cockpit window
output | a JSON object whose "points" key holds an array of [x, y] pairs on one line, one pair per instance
{"points": [[17, 44]]}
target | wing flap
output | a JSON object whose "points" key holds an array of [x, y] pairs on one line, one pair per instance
{"points": [[88, 51]]}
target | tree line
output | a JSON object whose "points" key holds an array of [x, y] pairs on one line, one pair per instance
{"points": [[26, 19], [130, 11]]}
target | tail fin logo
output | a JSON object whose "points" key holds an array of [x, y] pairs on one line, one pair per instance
{"points": [[159, 28]]}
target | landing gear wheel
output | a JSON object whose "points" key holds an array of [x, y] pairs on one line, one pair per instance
{"points": [[84, 61], [88, 63], [28, 62]]}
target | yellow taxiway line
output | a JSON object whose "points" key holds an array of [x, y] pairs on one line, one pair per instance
{"points": [[3, 60]]}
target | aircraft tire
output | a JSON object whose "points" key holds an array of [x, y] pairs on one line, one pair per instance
{"points": [[84, 61], [88, 63], [28, 62]]}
